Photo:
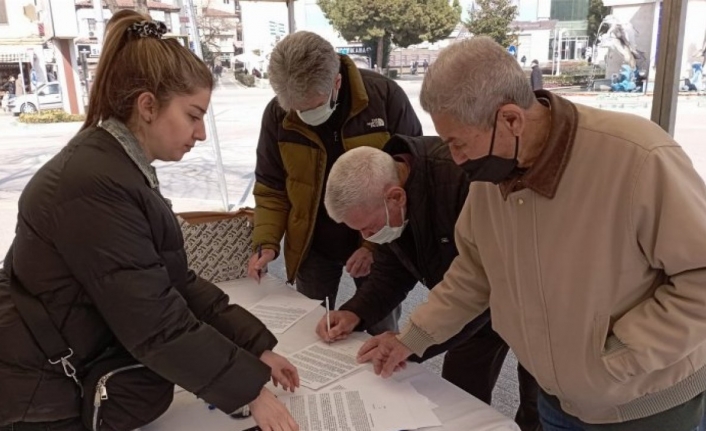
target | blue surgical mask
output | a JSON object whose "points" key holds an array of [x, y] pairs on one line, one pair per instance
{"points": [[388, 233], [318, 116]]}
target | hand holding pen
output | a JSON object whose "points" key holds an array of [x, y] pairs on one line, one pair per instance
{"points": [[259, 260], [259, 257], [328, 319]]}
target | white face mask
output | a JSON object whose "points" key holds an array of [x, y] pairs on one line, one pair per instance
{"points": [[318, 116], [387, 233]]}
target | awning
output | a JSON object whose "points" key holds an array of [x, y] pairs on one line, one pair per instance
{"points": [[15, 54]]}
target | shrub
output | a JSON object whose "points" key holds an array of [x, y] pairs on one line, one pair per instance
{"points": [[50, 116], [565, 80], [573, 67], [245, 79]]}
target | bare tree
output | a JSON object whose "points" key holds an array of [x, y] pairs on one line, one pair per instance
{"points": [[112, 5], [141, 7], [212, 25]]}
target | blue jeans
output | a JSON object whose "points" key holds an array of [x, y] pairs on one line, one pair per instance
{"points": [[555, 419]]}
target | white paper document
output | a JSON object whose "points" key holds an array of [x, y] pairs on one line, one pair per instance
{"points": [[329, 411], [280, 312], [369, 381], [356, 410], [321, 363], [376, 388]]}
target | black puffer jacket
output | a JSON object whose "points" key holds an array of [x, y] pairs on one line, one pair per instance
{"points": [[436, 191], [104, 253]]}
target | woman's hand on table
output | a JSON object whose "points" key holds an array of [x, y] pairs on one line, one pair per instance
{"points": [[270, 414], [283, 372]]}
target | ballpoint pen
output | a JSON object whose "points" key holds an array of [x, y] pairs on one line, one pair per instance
{"points": [[259, 256], [328, 319]]}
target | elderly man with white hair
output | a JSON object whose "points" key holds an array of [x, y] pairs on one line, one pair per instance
{"points": [[324, 106], [585, 233], [407, 197]]}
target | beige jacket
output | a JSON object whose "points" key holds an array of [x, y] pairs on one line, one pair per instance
{"points": [[594, 267]]}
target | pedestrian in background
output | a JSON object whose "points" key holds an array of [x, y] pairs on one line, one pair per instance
{"points": [[536, 78]]}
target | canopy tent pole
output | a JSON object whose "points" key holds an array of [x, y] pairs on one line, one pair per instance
{"points": [[210, 119]]}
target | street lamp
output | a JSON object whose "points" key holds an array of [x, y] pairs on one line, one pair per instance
{"points": [[558, 60]]}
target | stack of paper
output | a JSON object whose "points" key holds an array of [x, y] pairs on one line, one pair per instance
{"points": [[280, 312], [321, 364], [363, 402]]}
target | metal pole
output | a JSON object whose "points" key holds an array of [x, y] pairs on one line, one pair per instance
{"points": [[558, 59], [671, 46], [210, 119], [553, 54], [290, 14], [22, 78], [652, 66], [100, 22]]}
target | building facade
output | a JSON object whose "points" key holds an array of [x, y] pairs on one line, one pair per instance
{"points": [[220, 28], [23, 52]]}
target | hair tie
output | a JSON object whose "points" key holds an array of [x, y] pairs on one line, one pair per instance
{"points": [[154, 29]]}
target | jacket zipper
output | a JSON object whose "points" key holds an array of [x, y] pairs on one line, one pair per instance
{"points": [[307, 245], [102, 390], [421, 262], [170, 210]]}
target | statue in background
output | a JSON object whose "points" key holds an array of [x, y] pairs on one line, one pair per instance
{"points": [[620, 36]]}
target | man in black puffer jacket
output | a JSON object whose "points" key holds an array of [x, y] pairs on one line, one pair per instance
{"points": [[409, 203]]}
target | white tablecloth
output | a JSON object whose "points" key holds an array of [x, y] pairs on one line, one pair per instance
{"points": [[458, 411]]}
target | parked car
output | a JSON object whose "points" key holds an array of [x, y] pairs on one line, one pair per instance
{"points": [[47, 96]]}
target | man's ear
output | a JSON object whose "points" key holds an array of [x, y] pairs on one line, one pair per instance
{"points": [[147, 107], [514, 118], [397, 195]]}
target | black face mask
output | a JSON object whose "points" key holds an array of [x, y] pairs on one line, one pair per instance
{"points": [[492, 168]]}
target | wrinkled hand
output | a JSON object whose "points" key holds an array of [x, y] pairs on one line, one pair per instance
{"points": [[283, 372], [270, 414], [386, 352], [256, 263], [342, 324], [359, 263]]}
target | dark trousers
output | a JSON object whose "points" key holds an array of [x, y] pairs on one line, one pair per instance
{"points": [[319, 277], [73, 424], [685, 417], [474, 365]]}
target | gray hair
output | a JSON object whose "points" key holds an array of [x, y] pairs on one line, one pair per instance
{"points": [[303, 65], [359, 179], [472, 79]]}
